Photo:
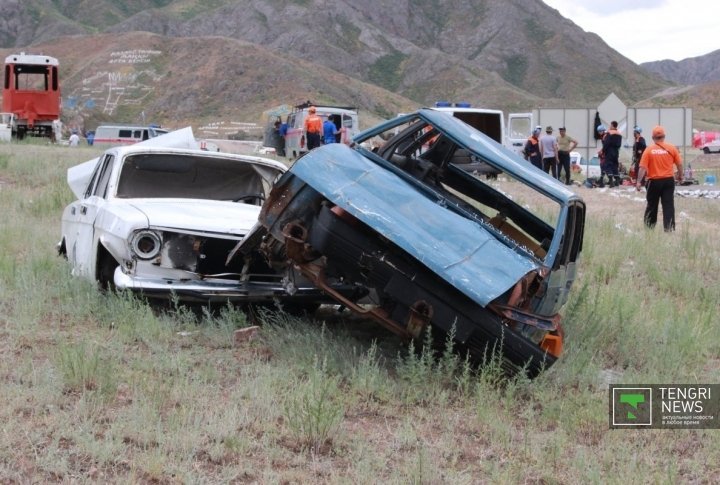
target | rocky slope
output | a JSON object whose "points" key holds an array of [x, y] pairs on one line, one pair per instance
{"points": [[235, 58], [694, 70]]}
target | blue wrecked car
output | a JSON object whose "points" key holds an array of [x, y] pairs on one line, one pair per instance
{"points": [[427, 242]]}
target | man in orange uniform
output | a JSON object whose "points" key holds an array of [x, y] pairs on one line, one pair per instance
{"points": [[657, 163], [313, 128], [531, 152]]}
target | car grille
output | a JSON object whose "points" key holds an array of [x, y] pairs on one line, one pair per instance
{"points": [[198, 254]]}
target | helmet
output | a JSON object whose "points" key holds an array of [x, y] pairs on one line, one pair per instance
{"points": [[312, 109], [537, 130], [637, 130], [601, 128]]}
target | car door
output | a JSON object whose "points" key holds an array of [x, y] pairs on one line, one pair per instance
{"points": [[520, 126], [83, 251], [350, 125]]}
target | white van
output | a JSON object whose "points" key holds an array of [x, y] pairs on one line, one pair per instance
{"points": [[343, 117], [125, 134], [492, 123]]}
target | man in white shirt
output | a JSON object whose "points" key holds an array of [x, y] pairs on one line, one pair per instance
{"points": [[74, 139]]}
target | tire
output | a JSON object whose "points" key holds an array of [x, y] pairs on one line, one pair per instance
{"points": [[706, 150], [106, 265]]}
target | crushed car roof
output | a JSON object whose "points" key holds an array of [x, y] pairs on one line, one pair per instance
{"points": [[459, 250], [482, 147]]}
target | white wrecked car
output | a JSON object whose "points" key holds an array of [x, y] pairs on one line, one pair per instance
{"points": [[160, 218]]}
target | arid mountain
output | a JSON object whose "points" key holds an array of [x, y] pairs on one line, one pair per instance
{"points": [[694, 70], [703, 98], [178, 81], [214, 59], [415, 47]]}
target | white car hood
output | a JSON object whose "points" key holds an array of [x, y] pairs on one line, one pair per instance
{"points": [[196, 215]]}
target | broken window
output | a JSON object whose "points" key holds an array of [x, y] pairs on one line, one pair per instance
{"points": [[31, 78], [191, 177]]}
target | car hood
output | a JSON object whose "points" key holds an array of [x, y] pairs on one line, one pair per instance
{"points": [[457, 249], [209, 216]]}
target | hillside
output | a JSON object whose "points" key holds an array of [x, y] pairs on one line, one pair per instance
{"points": [[127, 76], [366, 39], [694, 70], [240, 58], [703, 98], [417, 48]]}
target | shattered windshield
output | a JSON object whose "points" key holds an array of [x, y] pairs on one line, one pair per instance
{"points": [[191, 177]]}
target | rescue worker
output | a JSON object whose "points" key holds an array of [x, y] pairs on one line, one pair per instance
{"points": [[313, 128], [612, 141], [638, 148], [531, 152], [657, 163]]}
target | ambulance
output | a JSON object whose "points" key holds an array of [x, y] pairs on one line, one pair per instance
{"points": [[343, 117], [125, 134]]}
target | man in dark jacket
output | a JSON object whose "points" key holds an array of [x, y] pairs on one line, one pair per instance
{"points": [[531, 152], [611, 150], [638, 148]]}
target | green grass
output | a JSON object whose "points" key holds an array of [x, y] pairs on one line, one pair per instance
{"points": [[102, 388], [387, 70]]}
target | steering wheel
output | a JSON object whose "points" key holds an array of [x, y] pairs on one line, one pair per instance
{"points": [[254, 199]]}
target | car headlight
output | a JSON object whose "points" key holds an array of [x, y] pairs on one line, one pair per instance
{"points": [[146, 244]]}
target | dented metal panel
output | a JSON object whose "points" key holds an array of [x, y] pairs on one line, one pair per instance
{"points": [[161, 218], [431, 243], [459, 250]]}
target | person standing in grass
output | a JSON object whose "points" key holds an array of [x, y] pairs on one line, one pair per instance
{"points": [[638, 148], [657, 163], [74, 139], [531, 151], [601, 134], [549, 150], [566, 144], [612, 141]]}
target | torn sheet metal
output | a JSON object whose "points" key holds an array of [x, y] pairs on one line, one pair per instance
{"points": [[459, 250]]}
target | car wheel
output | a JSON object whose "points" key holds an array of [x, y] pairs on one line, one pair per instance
{"points": [[62, 250], [706, 150], [106, 265]]}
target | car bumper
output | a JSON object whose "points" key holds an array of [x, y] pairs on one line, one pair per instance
{"points": [[222, 291]]}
